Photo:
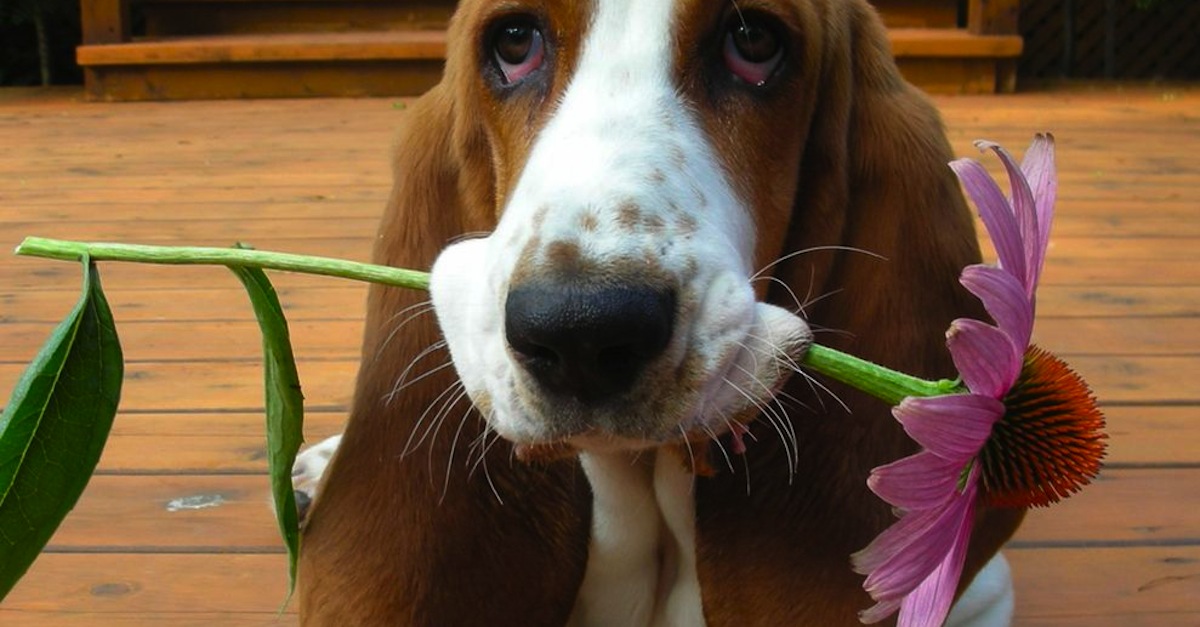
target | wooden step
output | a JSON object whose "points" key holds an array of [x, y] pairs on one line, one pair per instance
{"points": [[956, 61], [174, 18], [407, 62], [402, 45], [281, 65]]}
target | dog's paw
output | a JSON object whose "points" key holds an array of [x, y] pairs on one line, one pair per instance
{"points": [[309, 469], [988, 601]]}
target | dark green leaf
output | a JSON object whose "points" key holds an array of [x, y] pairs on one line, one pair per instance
{"points": [[284, 405], [54, 427]]}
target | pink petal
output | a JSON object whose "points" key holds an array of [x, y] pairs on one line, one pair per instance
{"points": [[985, 357], [879, 611], [894, 540], [952, 427], [920, 481], [1039, 169], [1005, 300], [907, 568], [1025, 210], [996, 213], [928, 605]]}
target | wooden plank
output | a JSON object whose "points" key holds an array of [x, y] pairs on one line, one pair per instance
{"points": [[210, 514], [220, 386], [1098, 587], [333, 229], [359, 79], [271, 47], [1150, 434], [1118, 587], [53, 618], [338, 301], [176, 18], [101, 585], [1130, 301], [951, 43], [1070, 337], [1101, 513], [199, 443], [207, 341]]}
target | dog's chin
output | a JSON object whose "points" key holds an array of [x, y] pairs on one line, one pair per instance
{"points": [[542, 428]]}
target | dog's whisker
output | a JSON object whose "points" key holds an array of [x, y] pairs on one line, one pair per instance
{"points": [[428, 373], [487, 473], [400, 380], [720, 446], [780, 413], [688, 445], [409, 445], [413, 311], [810, 300], [815, 249], [450, 458], [771, 420], [814, 383], [787, 288]]}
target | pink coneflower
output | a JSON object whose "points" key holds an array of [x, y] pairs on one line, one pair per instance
{"points": [[1026, 432]]}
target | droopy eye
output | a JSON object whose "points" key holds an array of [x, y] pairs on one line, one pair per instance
{"points": [[518, 48], [752, 50]]}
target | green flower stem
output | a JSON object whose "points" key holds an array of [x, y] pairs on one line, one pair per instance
{"points": [[883, 383], [886, 384], [190, 255]]}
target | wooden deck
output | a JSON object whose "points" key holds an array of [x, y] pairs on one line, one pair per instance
{"points": [[1121, 301]]}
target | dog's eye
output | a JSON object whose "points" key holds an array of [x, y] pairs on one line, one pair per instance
{"points": [[518, 48], [752, 50]]}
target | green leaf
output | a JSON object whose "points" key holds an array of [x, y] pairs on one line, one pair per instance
{"points": [[284, 405], [54, 427]]}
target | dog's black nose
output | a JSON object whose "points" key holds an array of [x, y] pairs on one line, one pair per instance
{"points": [[587, 342]]}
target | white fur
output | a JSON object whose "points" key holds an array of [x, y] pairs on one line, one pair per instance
{"points": [[641, 568], [311, 463], [988, 601]]}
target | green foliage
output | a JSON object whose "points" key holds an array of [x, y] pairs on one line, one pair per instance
{"points": [[284, 407], [54, 428]]}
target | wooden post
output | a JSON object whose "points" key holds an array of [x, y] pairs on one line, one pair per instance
{"points": [[104, 21], [993, 17]]}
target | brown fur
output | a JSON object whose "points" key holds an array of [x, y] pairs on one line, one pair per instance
{"points": [[843, 153]]}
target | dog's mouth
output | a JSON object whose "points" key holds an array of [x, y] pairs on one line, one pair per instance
{"points": [[557, 369]]}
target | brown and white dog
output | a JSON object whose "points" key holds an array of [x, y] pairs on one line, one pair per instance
{"points": [[660, 183]]}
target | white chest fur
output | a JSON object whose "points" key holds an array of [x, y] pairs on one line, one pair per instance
{"points": [[642, 562]]}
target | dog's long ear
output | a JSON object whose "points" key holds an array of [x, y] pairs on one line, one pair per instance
{"points": [[875, 179], [888, 232], [408, 528]]}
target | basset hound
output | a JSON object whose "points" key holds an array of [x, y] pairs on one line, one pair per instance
{"points": [[638, 211]]}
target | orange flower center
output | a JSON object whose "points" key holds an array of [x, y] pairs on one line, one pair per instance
{"points": [[1051, 440]]}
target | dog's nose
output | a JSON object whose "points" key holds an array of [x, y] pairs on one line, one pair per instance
{"points": [[587, 342]]}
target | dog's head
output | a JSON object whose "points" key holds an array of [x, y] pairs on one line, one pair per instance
{"points": [[661, 184], [644, 158]]}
